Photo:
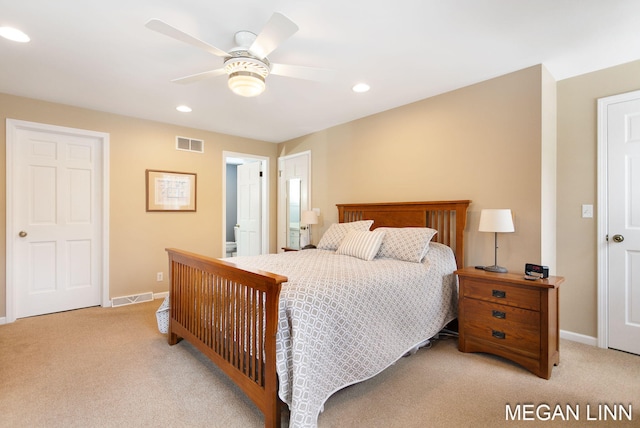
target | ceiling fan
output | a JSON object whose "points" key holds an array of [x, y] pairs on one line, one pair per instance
{"points": [[246, 65]]}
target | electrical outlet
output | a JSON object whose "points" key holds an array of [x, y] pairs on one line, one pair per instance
{"points": [[159, 276], [587, 211]]}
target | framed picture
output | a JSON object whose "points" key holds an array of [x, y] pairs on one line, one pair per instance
{"points": [[170, 191]]}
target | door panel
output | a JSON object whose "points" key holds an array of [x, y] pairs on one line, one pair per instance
{"points": [[43, 279], [79, 263], [623, 189], [249, 209], [42, 187]]}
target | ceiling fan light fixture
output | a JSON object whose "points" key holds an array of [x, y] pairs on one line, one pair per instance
{"points": [[246, 74], [246, 83]]}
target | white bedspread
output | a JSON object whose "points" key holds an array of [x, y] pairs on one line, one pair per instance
{"points": [[342, 320]]}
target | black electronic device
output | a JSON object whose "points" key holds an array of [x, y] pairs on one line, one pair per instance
{"points": [[538, 271], [309, 247]]}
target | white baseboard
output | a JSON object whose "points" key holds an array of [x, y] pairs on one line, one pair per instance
{"points": [[160, 295], [3, 320], [577, 337]]}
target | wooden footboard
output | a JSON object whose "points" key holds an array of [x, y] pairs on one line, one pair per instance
{"points": [[230, 315]]}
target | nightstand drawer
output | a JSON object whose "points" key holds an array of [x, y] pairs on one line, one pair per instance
{"points": [[509, 339], [506, 335], [501, 293], [501, 317]]}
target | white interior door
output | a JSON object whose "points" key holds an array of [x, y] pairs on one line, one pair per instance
{"points": [[623, 206], [292, 168], [56, 227], [249, 209]]}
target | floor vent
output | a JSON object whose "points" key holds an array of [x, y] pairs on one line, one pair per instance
{"points": [[189, 144], [130, 300]]}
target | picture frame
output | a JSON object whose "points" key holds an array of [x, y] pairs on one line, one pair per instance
{"points": [[171, 191]]}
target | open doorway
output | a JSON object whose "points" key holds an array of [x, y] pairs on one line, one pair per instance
{"points": [[245, 219]]}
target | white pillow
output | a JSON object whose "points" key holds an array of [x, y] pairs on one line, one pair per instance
{"points": [[335, 234], [410, 244], [361, 244]]}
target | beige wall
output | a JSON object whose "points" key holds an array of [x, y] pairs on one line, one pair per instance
{"points": [[577, 185], [482, 142], [138, 238], [493, 143], [520, 141]]}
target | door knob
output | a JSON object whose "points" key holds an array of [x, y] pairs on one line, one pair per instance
{"points": [[22, 234], [618, 238]]}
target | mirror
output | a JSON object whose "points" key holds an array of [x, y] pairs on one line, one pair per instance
{"points": [[293, 213]]}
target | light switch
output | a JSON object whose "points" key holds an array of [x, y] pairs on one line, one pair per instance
{"points": [[587, 211]]}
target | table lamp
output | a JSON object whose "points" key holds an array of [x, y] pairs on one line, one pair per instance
{"points": [[496, 220]]}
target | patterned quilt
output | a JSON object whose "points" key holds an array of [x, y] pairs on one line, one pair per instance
{"points": [[342, 320]]}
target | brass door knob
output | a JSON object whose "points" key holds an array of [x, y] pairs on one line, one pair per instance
{"points": [[618, 238], [22, 234]]}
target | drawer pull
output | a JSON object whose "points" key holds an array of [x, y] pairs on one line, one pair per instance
{"points": [[498, 334], [499, 314], [499, 294]]}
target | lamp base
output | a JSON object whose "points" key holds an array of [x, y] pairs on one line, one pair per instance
{"points": [[495, 268]]}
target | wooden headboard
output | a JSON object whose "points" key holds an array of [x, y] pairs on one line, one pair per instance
{"points": [[447, 217]]}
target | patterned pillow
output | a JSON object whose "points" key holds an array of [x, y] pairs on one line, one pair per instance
{"points": [[335, 234], [406, 243], [361, 244]]}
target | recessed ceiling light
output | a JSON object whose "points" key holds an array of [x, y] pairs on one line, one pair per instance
{"points": [[361, 87], [184, 109], [14, 34]]}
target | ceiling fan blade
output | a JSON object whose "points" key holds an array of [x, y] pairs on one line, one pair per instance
{"points": [[200, 76], [168, 30], [302, 72], [278, 29]]}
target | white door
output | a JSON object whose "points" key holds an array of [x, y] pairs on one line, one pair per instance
{"points": [[249, 209], [56, 219], [623, 206], [292, 169]]}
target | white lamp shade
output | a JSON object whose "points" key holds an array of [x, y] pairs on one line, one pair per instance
{"points": [[309, 217], [246, 84], [496, 220]]}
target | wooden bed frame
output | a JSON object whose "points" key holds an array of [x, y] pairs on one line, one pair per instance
{"points": [[222, 310]]}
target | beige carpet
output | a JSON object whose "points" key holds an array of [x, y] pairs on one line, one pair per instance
{"points": [[112, 368]]}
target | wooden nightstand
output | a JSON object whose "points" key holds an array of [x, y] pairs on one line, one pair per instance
{"points": [[507, 315]]}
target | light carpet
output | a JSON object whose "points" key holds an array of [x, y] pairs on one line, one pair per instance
{"points": [[110, 367]]}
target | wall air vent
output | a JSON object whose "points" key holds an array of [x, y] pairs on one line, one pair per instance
{"points": [[189, 144], [130, 300]]}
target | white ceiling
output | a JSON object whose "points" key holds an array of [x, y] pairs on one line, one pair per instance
{"points": [[98, 54]]}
